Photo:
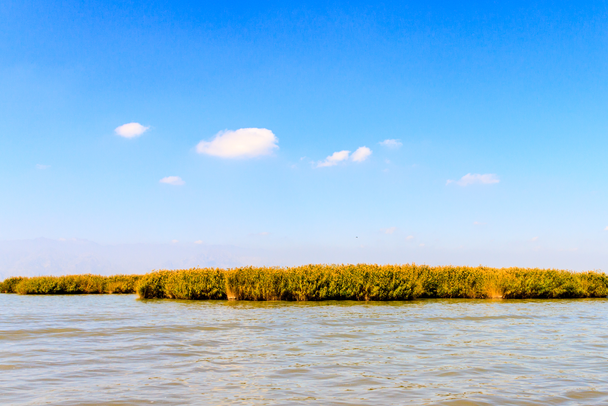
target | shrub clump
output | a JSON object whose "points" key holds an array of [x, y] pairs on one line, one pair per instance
{"points": [[70, 284], [8, 285]]}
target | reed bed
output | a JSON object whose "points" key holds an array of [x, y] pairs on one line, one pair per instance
{"points": [[329, 282], [371, 282], [70, 284]]}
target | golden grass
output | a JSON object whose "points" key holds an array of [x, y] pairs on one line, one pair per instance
{"points": [[8, 285], [371, 282], [70, 284], [329, 282]]}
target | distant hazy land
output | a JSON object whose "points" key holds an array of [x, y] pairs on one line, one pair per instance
{"points": [[45, 256]]}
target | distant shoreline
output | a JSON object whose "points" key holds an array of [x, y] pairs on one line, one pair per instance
{"points": [[327, 282]]}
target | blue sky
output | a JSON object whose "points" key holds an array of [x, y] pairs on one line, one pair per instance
{"points": [[513, 95]]}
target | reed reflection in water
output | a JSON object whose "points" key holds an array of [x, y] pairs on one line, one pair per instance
{"points": [[113, 349]]}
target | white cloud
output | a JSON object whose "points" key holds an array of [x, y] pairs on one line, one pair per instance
{"points": [[130, 130], [534, 239], [361, 154], [409, 237], [198, 241], [40, 166], [242, 143], [174, 241], [172, 180], [421, 245], [606, 229], [479, 223], [470, 179], [334, 159], [389, 230], [391, 143]]}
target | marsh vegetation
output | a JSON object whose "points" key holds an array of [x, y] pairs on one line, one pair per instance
{"points": [[328, 282], [70, 284]]}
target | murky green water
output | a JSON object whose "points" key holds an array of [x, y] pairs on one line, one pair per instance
{"points": [[74, 350]]}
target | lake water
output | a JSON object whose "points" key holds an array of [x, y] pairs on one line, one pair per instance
{"points": [[116, 350]]}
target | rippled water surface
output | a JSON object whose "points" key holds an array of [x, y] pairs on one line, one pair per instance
{"points": [[74, 350]]}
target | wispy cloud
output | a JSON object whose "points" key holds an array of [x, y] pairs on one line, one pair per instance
{"points": [[198, 241], [606, 229], [409, 237], [361, 154], [476, 178], [130, 130], [389, 230], [40, 166], [534, 239], [391, 143], [172, 180], [242, 143], [479, 223], [334, 159]]}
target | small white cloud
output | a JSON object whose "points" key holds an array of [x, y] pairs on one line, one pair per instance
{"points": [[470, 179], [130, 130], [172, 180], [242, 143], [534, 239], [334, 159], [479, 223], [40, 166], [198, 241], [391, 143], [174, 241], [421, 245], [389, 230], [606, 229], [264, 233], [409, 237], [361, 154]]}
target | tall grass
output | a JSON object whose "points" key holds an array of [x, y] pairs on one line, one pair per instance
{"points": [[371, 282], [70, 284], [8, 285], [329, 282], [183, 284]]}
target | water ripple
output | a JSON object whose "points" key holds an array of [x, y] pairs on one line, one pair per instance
{"points": [[115, 350]]}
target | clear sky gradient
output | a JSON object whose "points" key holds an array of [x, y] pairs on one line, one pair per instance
{"points": [[496, 116]]}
